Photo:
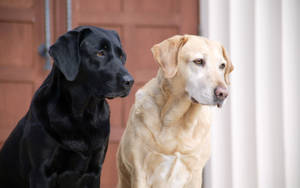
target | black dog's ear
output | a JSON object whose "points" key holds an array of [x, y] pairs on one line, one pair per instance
{"points": [[66, 54]]}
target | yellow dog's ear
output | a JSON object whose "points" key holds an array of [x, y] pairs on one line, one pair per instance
{"points": [[229, 67], [166, 54]]}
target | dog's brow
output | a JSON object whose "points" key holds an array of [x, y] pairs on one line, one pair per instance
{"points": [[198, 56], [218, 55], [104, 43]]}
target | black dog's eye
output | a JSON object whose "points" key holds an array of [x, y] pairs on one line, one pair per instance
{"points": [[119, 52], [222, 66], [100, 53], [199, 61]]}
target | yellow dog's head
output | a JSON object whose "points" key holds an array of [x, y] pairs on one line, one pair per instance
{"points": [[201, 65]]}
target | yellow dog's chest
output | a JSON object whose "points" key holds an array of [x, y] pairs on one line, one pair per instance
{"points": [[175, 138], [170, 171]]}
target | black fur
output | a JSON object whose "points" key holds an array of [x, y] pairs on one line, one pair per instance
{"points": [[62, 140]]}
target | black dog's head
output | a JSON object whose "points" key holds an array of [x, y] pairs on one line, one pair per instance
{"points": [[94, 58]]}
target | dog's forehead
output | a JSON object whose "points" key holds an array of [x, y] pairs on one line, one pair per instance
{"points": [[201, 46], [99, 35]]}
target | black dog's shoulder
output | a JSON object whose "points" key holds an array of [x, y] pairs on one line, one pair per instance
{"points": [[80, 133]]}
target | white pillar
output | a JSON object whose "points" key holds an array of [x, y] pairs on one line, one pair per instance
{"points": [[219, 167], [256, 137], [268, 80], [243, 94], [291, 90]]}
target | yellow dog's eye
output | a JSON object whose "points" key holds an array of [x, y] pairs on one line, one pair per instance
{"points": [[101, 53], [199, 61], [222, 66]]}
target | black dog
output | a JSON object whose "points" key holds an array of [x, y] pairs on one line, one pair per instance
{"points": [[62, 140]]}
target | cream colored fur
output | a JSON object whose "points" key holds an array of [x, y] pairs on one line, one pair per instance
{"points": [[167, 140]]}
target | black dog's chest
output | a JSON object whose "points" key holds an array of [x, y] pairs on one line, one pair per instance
{"points": [[70, 169], [87, 132], [76, 180]]}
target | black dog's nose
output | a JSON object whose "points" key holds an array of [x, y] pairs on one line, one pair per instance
{"points": [[127, 81]]}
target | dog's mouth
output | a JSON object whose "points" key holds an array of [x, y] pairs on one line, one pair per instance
{"points": [[194, 100], [218, 103], [112, 96]]}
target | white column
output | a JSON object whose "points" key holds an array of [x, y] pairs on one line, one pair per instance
{"points": [[268, 80], [291, 90], [219, 168], [243, 94]]}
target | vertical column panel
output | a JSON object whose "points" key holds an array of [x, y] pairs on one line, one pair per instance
{"points": [[219, 168], [203, 14], [203, 31], [242, 94], [268, 94], [291, 90]]}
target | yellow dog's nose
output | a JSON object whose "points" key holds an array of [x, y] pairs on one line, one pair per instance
{"points": [[221, 93]]}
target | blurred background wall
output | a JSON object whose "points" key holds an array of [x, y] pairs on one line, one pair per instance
{"points": [[256, 135]]}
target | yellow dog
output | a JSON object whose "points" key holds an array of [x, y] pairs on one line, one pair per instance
{"points": [[167, 140]]}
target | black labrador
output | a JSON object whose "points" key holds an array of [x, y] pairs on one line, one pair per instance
{"points": [[62, 140]]}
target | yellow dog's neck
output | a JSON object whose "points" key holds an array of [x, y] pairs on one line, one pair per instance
{"points": [[177, 104]]}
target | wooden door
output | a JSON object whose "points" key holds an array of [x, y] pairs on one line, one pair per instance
{"points": [[22, 29], [21, 68], [141, 24]]}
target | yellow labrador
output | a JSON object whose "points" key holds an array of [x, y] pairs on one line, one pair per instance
{"points": [[167, 140]]}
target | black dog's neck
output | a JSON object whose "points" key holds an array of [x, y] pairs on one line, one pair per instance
{"points": [[74, 116], [74, 95], [78, 97]]}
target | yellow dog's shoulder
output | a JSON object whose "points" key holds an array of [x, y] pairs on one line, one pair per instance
{"points": [[146, 97], [146, 106]]}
